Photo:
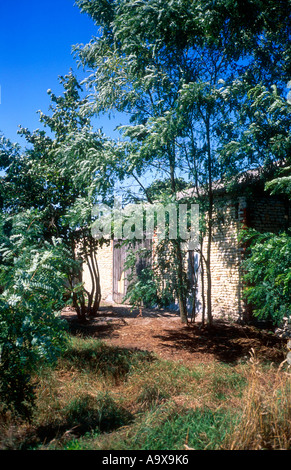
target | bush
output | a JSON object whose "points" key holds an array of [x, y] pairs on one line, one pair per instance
{"points": [[268, 275], [27, 339], [31, 331]]}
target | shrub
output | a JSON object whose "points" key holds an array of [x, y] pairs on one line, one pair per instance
{"points": [[268, 275], [31, 331]]}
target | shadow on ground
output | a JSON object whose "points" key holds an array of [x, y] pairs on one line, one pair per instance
{"points": [[161, 332], [226, 342]]}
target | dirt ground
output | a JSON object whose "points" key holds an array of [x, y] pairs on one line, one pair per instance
{"points": [[161, 332]]}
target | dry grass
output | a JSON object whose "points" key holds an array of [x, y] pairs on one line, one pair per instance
{"points": [[266, 416]]}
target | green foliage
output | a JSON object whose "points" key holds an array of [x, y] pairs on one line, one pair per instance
{"points": [[155, 285], [32, 279], [142, 288], [143, 291], [268, 275], [7, 149], [62, 174], [159, 189], [282, 183], [197, 80]]}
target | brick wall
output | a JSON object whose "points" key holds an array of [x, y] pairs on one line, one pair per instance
{"points": [[268, 214], [265, 214], [226, 253], [259, 211]]}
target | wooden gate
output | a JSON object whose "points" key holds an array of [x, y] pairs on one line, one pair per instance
{"points": [[120, 275]]}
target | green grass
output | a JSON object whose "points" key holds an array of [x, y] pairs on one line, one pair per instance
{"points": [[225, 379], [200, 428], [165, 427]]}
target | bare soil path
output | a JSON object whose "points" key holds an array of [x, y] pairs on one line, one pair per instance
{"points": [[161, 332]]}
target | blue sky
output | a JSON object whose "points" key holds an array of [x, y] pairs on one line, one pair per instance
{"points": [[36, 37]]}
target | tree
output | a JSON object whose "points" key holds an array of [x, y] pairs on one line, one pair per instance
{"points": [[62, 175], [154, 279], [267, 266], [182, 71]]}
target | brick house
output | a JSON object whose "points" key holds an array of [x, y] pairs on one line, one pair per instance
{"points": [[249, 206]]}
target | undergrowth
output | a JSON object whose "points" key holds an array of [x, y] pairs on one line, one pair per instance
{"points": [[104, 398]]}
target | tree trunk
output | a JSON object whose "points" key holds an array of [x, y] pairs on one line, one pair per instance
{"points": [[202, 287], [80, 308], [178, 252], [210, 214], [97, 292], [181, 288], [79, 303], [90, 294], [94, 297]]}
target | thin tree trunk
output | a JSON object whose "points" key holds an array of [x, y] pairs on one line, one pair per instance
{"points": [[89, 294], [195, 277], [79, 304], [94, 297], [210, 214], [202, 288], [78, 299], [178, 252], [180, 283], [97, 293]]}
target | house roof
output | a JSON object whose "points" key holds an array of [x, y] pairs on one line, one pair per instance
{"points": [[256, 176]]}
